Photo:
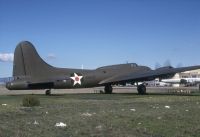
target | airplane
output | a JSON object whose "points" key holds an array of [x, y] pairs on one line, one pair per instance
{"points": [[30, 71], [185, 81]]}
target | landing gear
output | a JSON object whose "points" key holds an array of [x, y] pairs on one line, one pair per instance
{"points": [[108, 89], [141, 89], [48, 92]]}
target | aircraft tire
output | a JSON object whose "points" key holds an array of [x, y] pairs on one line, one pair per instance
{"points": [[48, 92], [141, 89], [108, 89]]}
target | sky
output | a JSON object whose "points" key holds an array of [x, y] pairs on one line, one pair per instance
{"points": [[94, 33]]}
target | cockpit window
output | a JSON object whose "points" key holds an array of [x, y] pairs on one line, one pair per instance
{"points": [[133, 65]]}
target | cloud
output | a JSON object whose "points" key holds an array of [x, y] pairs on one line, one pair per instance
{"points": [[9, 57], [6, 57], [51, 56]]}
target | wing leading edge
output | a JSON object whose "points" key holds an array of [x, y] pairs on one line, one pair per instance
{"points": [[147, 75]]}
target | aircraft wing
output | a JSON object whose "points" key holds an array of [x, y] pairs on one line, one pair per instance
{"points": [[147, 75]]}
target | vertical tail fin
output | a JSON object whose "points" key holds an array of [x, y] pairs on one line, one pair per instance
{"points": [[27, 62], [18, 65]]}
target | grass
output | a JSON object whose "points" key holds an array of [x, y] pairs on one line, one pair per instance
{"points": [[99, 115]]}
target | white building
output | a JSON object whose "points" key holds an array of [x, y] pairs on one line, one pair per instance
{"points": [[186, 74]]}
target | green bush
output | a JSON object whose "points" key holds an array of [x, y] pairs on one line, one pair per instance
{"points": [[30, 101]]}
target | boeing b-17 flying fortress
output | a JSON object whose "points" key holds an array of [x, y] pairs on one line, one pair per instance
{"points": [[31, 72], [99, 68]]}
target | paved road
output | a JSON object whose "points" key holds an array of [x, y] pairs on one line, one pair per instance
{"points": [[4, 91]]}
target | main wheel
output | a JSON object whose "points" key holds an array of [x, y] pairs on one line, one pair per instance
{"points": [[48, 92], [108, 89], [141, 89]]}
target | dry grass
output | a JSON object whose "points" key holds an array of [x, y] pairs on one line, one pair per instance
{"points": [[117, 115]]}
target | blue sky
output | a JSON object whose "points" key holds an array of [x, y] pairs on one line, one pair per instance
{"points": [[102, 32]]}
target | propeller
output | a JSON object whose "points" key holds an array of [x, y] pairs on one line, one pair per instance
{"points": [[167, 63]]}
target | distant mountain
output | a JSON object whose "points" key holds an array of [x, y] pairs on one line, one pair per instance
{"points": [[4, 80]]}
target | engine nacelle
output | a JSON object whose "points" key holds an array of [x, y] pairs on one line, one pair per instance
{"points": [[165, 68], [167, 76], [184, 81], [19, 85]]}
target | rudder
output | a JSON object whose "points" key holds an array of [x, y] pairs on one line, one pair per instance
{"points": [[27, 62]]}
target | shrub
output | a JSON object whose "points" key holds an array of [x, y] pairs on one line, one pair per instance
{"points": [[30, 101]]}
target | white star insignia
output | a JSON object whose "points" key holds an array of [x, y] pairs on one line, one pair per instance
{"points": [[77, 79]]}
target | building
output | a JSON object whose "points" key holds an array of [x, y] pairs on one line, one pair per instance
{"points": [[186, 74]]}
